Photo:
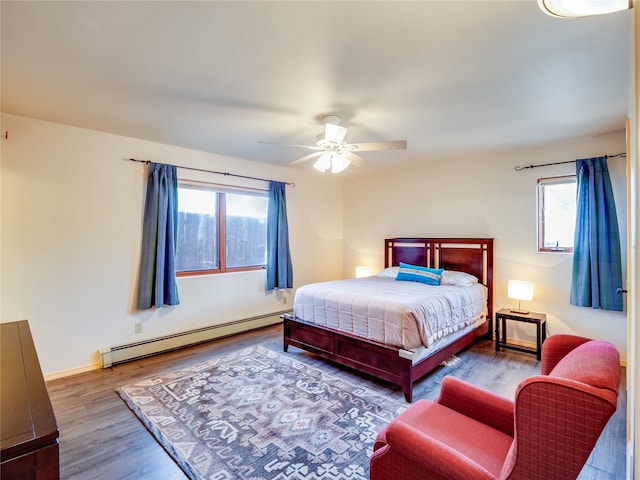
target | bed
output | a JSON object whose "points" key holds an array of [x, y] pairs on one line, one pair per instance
{"points": [[344, 324]]}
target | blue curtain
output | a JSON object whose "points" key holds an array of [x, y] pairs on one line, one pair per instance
{"points": [[597, 265], [157, 279], [279, 268]]}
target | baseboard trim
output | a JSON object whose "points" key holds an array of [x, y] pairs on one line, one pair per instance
{"points": [[115, 355], [72, 371]]}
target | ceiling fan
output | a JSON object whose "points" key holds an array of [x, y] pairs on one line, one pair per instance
{"points": [[334, 153]]}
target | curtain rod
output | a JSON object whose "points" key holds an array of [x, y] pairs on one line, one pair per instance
{"points": [[227, 174], [568, 161]]}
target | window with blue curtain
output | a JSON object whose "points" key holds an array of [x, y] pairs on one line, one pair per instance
{"points": [[157, 284], [597, 263], [279, 267]]}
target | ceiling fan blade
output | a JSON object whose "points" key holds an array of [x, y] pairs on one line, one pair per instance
{"points": [[354, 159], [334, 133], [306, 158], [371, 146], [310, 147]]}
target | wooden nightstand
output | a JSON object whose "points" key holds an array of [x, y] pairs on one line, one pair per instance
{"points": [[539, 319]]}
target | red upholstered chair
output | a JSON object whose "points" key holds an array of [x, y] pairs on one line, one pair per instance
{"points": [[546, 433]]}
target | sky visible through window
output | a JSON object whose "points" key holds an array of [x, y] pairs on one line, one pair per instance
{"points": [[247, 205], [202, 201], [197, 201]]}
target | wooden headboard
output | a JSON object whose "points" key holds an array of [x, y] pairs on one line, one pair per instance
{"points": [[470, 255]]}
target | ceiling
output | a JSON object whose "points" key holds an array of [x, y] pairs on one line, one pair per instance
{"points": [[450, 77]]}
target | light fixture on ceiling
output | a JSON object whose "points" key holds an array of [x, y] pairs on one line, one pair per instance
{"points": [[332, 152], [334, 146], [323, 162], [331, 160], [582, 8], [338, 163]]}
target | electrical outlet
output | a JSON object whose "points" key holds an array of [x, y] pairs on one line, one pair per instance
{"points": [[138, 327]]}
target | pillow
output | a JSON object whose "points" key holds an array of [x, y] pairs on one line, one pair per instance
{"points": [[452, 277], [414, 273], [390, 272]]}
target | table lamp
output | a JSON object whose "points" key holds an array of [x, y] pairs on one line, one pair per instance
{"points": [[519, 290], [363, 272]]}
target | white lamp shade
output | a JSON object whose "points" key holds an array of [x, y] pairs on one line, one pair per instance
{"points": [[363, 272], [339, 163], [582, 8], [323, 163], [520, 290]]}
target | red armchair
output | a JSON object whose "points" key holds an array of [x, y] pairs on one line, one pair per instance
{"points": [[546, 433]]}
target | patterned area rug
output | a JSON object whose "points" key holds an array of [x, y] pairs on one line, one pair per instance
{"points": [[257, 414]]}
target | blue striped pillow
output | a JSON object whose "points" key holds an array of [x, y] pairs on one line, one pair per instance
{"points": [[415, 273]]}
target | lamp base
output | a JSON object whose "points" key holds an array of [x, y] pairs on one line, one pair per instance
{"points": [[522, 312]]}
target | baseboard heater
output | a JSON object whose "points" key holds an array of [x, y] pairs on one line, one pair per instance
{"points": [[115, 355]]}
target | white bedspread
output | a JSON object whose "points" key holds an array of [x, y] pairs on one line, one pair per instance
{"points": [[397, 313]]}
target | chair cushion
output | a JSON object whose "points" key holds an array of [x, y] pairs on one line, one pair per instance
{"points": [[595, 363], [473, 440]]}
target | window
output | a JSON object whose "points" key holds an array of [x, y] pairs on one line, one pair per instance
{"points": [[556, 213], [220, 230]]}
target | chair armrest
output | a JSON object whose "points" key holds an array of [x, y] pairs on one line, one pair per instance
{"points": [[556, 347], [475, 402], [433, 458]]}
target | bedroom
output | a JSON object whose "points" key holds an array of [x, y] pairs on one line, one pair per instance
{"points": [[69, 252]]}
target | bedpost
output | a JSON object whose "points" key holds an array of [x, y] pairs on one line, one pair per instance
{"points": [[489, 283], [286, 332], [407, 378]]}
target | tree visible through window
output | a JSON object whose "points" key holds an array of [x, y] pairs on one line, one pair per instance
{"points": [[220, 230], [556, 213]]}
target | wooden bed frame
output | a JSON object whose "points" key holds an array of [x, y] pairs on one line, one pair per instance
{"points": [[393, 364]]}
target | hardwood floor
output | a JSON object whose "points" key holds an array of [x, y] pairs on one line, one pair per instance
{"points": [[100, 438]]}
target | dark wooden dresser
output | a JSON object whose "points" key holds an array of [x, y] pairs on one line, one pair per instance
{"points": [[28, 426]]}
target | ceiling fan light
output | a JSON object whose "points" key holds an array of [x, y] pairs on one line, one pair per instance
{"points": [[323, 163], [582, 8], [339, 163]]}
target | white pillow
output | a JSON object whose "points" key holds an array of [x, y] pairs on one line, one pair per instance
{"points": [[452, 277], [391, 272]]}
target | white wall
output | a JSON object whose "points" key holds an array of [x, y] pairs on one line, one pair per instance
{"points": [[71, 209], [71, 230], [483, 196]]}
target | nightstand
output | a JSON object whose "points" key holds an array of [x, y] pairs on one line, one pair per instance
{"points": [[539, 319]]}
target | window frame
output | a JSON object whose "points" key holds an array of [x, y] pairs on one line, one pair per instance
{"points": [[221, 215], [540, 213]]}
